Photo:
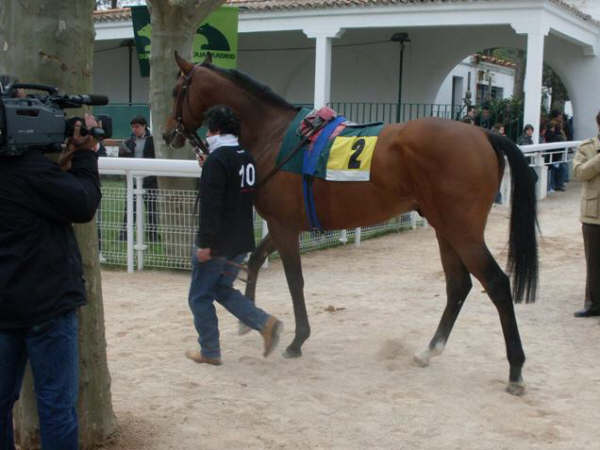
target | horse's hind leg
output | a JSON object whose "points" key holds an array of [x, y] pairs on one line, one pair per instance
{"points": [[257, 259], [482, 265], [458, 285]]}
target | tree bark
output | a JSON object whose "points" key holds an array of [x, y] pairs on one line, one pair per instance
{"points": [[51, 42], [174, 23]]}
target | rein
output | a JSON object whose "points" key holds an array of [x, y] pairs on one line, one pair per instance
{"points": [[197, 142]]}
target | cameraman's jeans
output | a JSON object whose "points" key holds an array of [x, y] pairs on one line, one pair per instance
{"points": [[52, 350]]}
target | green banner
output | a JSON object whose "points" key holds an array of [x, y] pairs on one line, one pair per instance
{"points": [[217, 34]]}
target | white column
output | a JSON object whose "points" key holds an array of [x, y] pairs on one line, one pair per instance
{"points": [[533, 79], [322, 93]]}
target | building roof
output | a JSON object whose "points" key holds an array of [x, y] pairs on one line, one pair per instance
{"points": [[116, 15], [496, 61]]}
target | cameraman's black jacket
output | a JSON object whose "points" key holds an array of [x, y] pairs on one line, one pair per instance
{"points": [[40, 266], [226, 198]]}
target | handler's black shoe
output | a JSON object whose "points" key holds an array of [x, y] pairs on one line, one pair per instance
{"points": [[587, 313]]}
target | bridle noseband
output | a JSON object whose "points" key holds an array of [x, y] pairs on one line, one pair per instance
{"points": [[180, 129]]}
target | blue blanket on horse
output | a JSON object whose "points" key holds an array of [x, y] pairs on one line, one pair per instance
{"points": [[341, 151], [349, 149]]}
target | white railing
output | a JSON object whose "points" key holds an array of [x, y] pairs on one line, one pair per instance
{"points": [[177, 223], [131, 200], [540, 157]]}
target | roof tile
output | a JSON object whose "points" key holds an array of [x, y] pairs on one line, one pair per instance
{"points": [[123, 14]]}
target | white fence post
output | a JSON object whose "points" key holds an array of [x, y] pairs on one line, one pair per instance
{"points": [[357, 236], [129, 227], [343, 236], [506, 185], [413, 220], [139, 210], [264, 232], [541, 187]]}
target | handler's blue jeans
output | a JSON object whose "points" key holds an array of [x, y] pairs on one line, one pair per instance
{"points": [[52, 350], [213, 280]]}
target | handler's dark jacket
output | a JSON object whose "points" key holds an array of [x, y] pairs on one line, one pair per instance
{"points": [[41, 276], [127, 150], [226, 197]]}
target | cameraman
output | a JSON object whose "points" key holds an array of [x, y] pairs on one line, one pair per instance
{"points": [[41, 282]]}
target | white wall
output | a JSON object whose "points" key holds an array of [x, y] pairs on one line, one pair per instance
{"points": [[365, 66], [111, 73], [502, 78]]}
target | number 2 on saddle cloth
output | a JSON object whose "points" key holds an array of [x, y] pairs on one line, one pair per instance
{"points": [[338, 151]]}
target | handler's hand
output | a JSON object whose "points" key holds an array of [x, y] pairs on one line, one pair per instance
{"points": [[203, 254], [200, 157]]}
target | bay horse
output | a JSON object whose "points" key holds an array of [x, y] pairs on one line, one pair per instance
{"points": [[448, 171]]}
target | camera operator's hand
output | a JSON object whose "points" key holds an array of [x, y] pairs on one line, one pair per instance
{"points": [[78, 142]]}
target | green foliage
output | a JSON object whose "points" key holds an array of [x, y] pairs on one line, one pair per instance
{"points": [[509, 112]]}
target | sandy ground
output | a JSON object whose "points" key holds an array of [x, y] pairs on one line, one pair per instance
{"points": [[356, 387]]}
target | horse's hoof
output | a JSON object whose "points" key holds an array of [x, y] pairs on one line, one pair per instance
{"points": [[516, 388], [243, 329], [421, 359], [292, 353]]}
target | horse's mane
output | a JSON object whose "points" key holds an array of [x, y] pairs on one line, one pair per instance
{"points": [[249, 84]]}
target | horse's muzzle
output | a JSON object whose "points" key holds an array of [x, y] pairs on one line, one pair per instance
{"points": [[173, 139]]}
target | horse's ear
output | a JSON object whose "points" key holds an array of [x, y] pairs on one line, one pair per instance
{"points": [[184, 65], [207, 58]]}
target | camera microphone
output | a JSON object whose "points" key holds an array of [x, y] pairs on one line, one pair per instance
{"points": [[97, 100]]}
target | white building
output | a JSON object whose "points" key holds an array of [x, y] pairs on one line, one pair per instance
{"points": [[325, 51], [477, 75]]}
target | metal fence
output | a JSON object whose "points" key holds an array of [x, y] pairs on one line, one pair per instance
{"points": [[156, 228], [366, 112]]}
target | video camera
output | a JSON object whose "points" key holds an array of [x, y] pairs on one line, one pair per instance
{"points": [[38, 121]]}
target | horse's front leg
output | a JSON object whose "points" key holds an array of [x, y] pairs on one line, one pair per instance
{"points": [[255, 262], [286, 241]]}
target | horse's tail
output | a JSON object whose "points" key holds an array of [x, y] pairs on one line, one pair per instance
{"points": [[522, 252]]}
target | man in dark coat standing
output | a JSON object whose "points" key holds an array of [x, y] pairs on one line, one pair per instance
{"points": [[141, 145]]}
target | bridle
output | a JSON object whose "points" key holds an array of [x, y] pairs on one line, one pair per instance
{"points": [[180, 129]]}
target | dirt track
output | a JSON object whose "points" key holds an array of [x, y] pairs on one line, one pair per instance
{"points": [[356, 386]]}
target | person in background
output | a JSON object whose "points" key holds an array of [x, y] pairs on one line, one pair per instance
{"points": [[225, 236], [470, 116], [586, 168], [484, 119], [554, 134], [141, 145], [567, 127], [498, 128], [527, 137]]}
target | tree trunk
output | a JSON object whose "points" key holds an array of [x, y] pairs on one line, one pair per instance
{"points": [[51, 42], [173, 27]]}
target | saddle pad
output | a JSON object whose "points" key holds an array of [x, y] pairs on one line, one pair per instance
{"points": [[347, 157]]}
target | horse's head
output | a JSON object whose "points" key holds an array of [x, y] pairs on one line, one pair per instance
{"points": [[187, 115]]}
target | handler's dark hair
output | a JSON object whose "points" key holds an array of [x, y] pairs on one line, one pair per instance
{"points": [[222, 119], [140, 120], [598, 119]]}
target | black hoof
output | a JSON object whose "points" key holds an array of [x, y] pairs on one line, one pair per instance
{"points": [[292, 353]]}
